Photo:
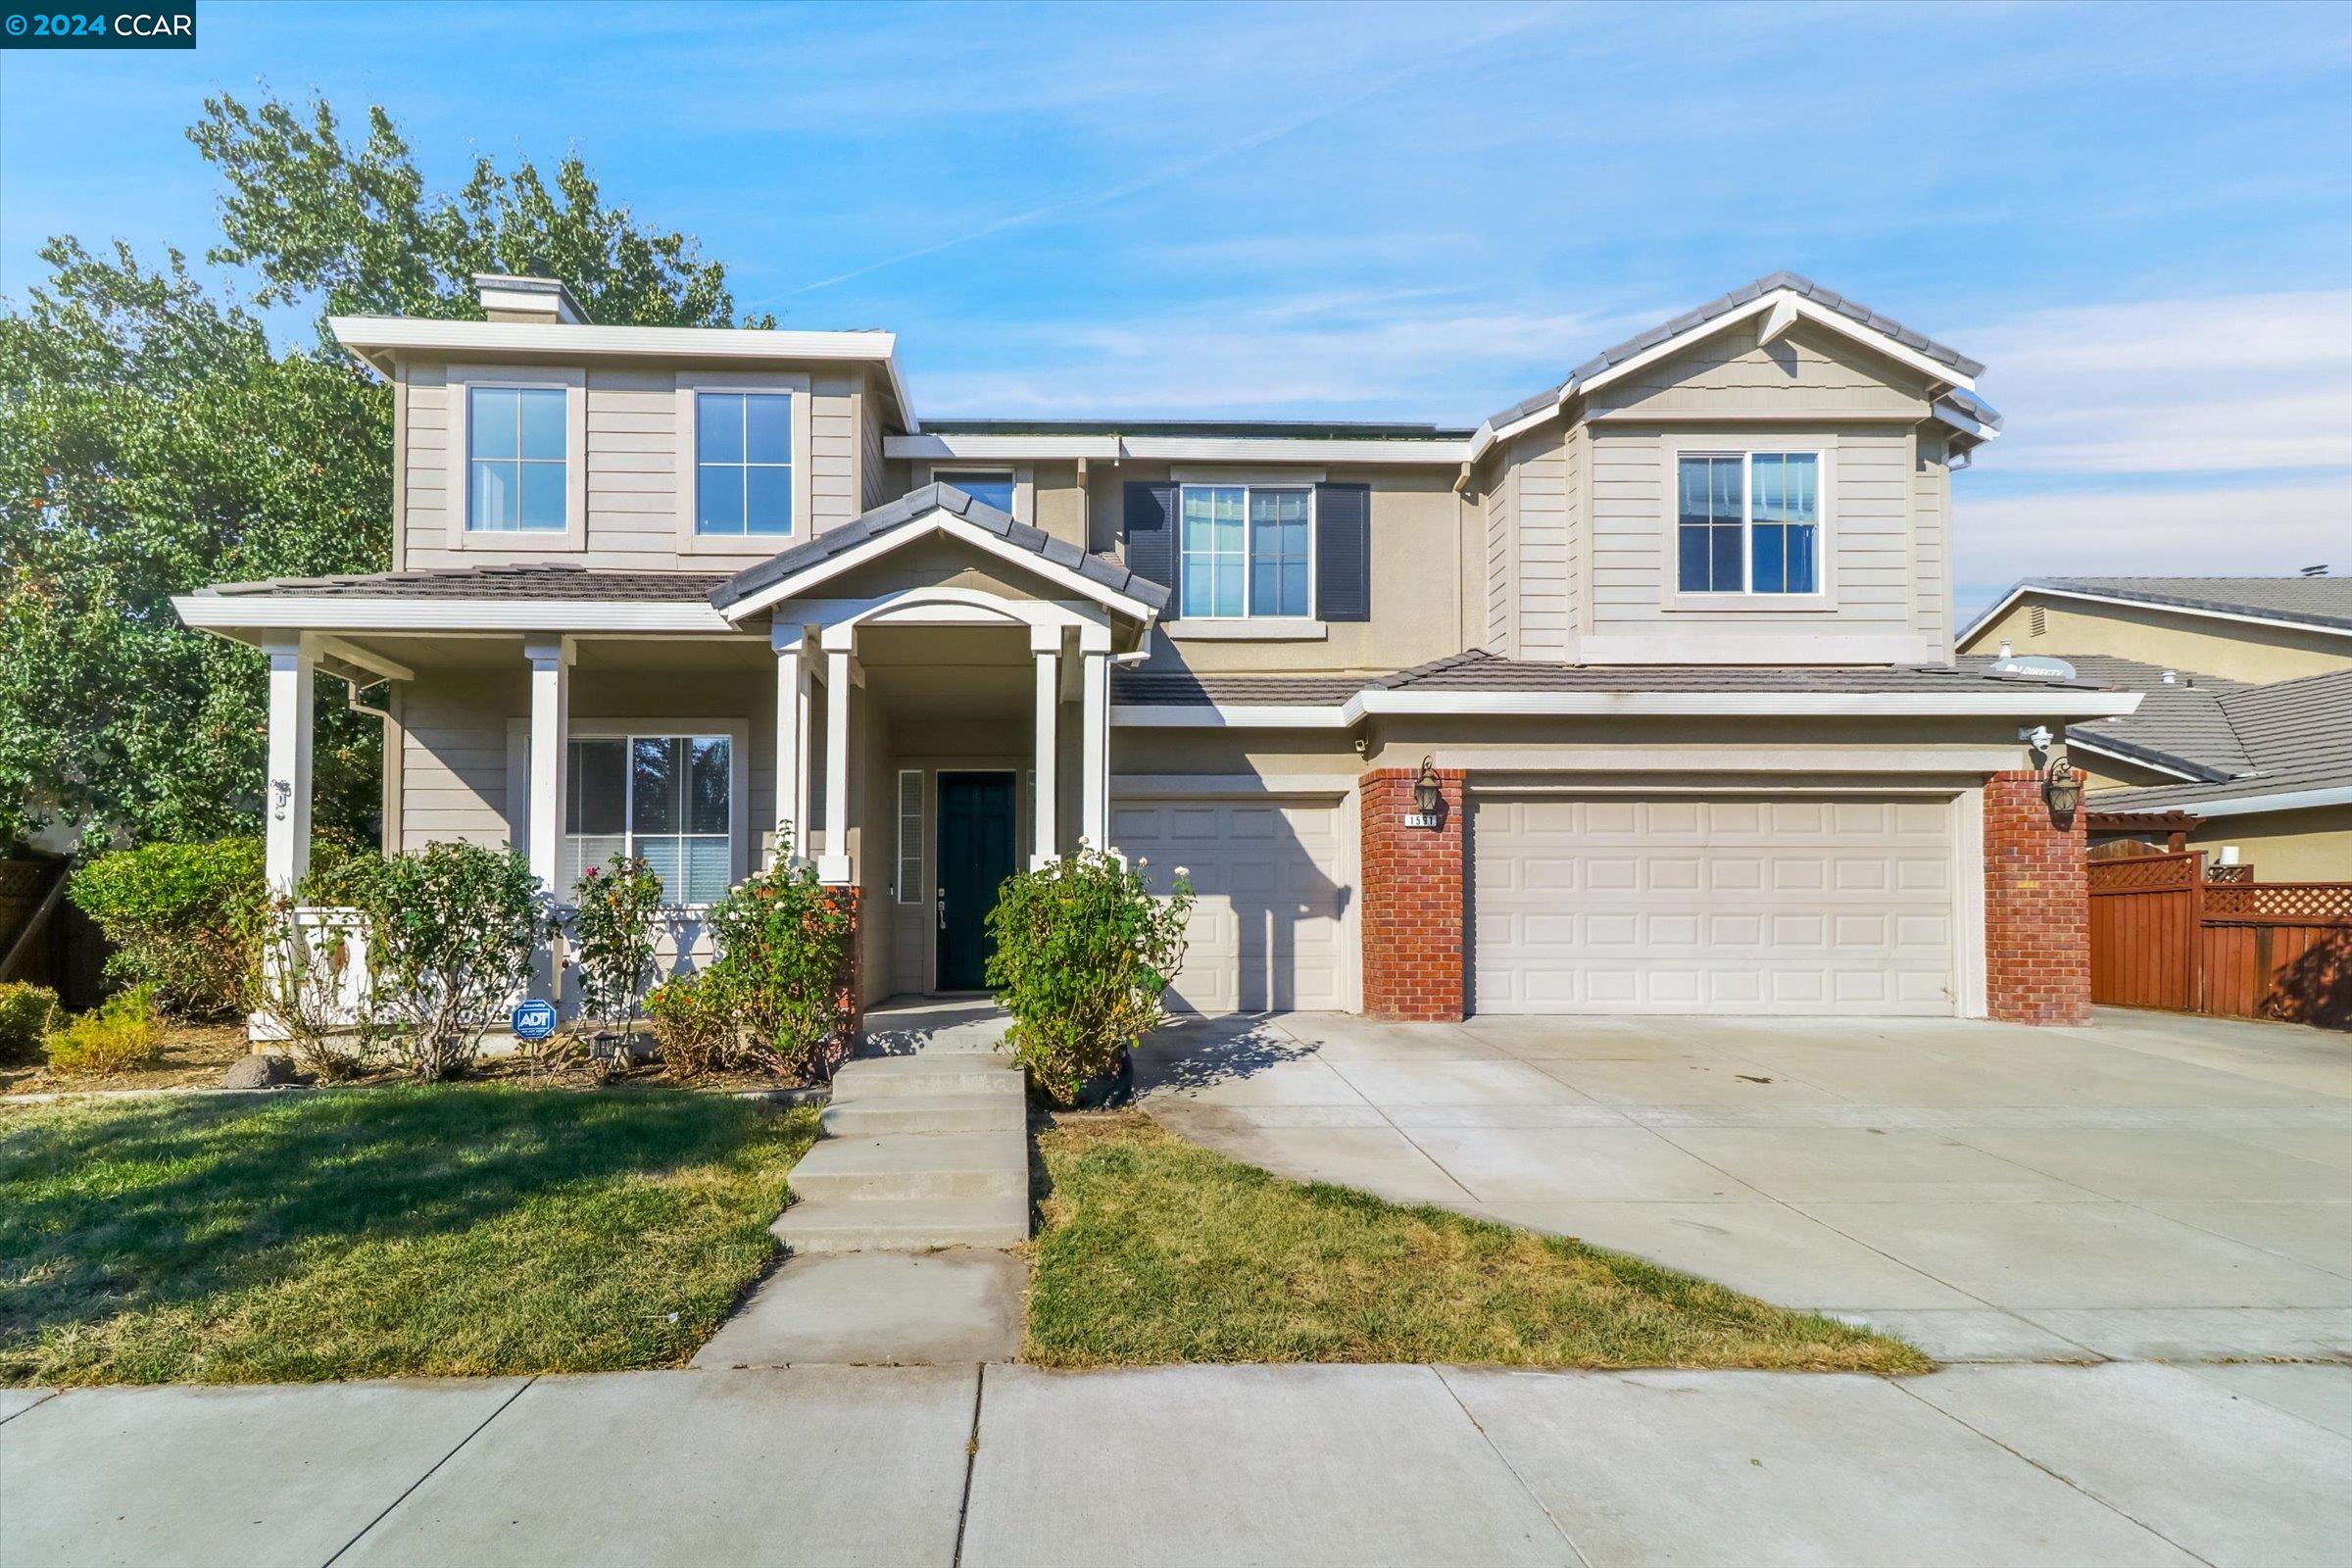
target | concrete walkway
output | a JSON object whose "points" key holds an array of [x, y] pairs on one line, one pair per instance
{"points": [[2155, 1186], [2232, 1466]]}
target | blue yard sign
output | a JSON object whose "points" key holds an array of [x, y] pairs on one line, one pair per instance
{"points": [[534, 1019]]}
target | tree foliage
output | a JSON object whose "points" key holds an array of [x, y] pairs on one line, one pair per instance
{"points": [[154, 439]]}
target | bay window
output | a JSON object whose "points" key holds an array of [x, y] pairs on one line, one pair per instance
{"points": [[1246, 551], [1748, 522], [663, 796]]}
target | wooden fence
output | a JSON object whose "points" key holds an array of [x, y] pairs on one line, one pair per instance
{"points": [[2162, 935]]}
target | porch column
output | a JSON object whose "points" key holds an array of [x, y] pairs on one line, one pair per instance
{"points": [[833, 867], [1094, 787], [1045, 843], [792, 736], [551, 756], [286, 846]]}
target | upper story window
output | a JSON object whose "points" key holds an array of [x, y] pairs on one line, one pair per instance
{"points": [[743, 462], [515, 458], [663, 796], [992, 488], [1748, 522], [1246, 551]]}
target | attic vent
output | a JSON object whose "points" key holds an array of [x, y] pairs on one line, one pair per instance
{"points": [[2039, 621]]}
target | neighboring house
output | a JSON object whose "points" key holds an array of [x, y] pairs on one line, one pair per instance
{"points": [[1671, 642], [2243, 743]]}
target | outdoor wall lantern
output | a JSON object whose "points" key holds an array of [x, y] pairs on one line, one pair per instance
{"points": [[1429, 799], [2062, 787]]}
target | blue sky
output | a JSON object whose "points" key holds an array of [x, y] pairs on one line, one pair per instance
{"points": [[2140, 218]]}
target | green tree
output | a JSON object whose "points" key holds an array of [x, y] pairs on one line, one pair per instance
{"points": [[154, 439]]}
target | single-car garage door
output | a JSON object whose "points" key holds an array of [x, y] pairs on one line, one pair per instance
{"points": [[1790, 905], [1267, 930]]}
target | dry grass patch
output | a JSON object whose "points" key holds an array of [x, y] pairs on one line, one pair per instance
{"points": [[1154, 1249]]}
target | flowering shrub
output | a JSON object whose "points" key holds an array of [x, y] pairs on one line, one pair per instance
{"points": [[1082, 952], [449, 932], [612, 937], [786, 951], [298, 984]]}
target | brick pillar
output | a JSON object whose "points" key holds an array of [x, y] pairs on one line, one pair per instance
{"points": [[1414, 922], [2037, 907]]}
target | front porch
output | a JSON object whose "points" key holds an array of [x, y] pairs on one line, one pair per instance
{"points": [[918, 706]]}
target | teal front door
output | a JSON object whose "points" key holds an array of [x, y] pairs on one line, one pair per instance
{"points": [[975, 856]]}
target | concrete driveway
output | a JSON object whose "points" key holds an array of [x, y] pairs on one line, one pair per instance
{"points": [[2153, 1187]]}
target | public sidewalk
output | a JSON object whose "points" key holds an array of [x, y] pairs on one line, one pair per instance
{"points": [[2241, 1466]]}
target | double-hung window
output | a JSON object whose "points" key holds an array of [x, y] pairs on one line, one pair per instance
{"points": [[743, 462], [1246, 551], [992, 489], [1748, 522], [515, 458], [663, 796]]}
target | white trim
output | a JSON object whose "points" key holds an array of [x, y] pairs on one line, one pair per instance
{"points": [[381, 339], [952, 448], [1960, 419], [366, 661], [1250, 488], [1679, 447], [937, 520], [2239, 805], [904, 889], [1787, 705], [2248, 617], [747, 547], [1258, 478], [1248, 629], [1228, 786], [2077, 740], [458, 531], [351, 613], [1968, 894]]}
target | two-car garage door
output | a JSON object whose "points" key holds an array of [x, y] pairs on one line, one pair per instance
{"points": [[1789, 904]]}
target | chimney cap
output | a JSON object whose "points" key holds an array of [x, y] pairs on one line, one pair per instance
{"points": [[509, 297]]}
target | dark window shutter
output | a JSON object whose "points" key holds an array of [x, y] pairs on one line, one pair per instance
{"points": [[1151, 534], [1344, 552]]}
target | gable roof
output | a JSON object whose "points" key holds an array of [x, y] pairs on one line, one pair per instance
{"points": [[934, 499], [2183, 725], [2323, 604], [1851, 315]]}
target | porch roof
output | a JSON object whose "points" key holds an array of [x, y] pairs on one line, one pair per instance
{"points": [[895, 516], [521, 580]]}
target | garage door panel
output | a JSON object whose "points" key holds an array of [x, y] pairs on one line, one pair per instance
{"points": [[1267, 930], [1706, 904]]}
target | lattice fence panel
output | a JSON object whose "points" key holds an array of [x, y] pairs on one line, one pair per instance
{"points": [[2282, 901], [2144, 873]]}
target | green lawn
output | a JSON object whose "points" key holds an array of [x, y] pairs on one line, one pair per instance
{"points": [[1154, 1249], [381, 1231]]}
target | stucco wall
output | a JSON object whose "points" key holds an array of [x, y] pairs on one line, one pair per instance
{"points": [[2314, 846], [2238, 650]]}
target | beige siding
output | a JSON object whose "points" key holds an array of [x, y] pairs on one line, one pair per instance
{"points": [[454, 755], [873, 469], [1500, 557], [2238, 650], [1931, 535], [1808, 371], [1547, 546], [632, 471]]}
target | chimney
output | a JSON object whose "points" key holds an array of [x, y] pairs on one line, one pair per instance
{"points": [[540, 301]]}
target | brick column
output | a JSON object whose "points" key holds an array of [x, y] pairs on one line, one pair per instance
{"points": [[2037, 907], [1414, 922]]}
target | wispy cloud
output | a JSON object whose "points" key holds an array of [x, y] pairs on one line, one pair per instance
{"points": [[2253, 529]]}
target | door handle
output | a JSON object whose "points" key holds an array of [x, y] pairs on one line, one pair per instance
{"points": [[943, 909]]}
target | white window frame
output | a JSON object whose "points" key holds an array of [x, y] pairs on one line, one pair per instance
{"points": [[745, 546], [1746, 598], [739, 806], [1185, 615], [461, 381], [1022, 477]]}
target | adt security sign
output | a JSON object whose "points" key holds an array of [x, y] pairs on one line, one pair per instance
{"points": [[534, 1019]]}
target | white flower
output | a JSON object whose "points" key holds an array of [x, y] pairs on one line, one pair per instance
{"points": [[1184, 871]]}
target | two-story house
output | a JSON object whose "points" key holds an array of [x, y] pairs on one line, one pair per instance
{"points": [[1638, 697]]}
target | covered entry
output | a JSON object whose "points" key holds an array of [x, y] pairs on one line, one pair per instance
{"points": [[1790, 904]]}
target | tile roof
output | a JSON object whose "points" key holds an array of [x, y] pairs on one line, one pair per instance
{"points": [[893, 515], [2181, 723], [1642, 342], [2314, 601], [531, 581], [1292, 429], [2296, 733], [1480, 671]]}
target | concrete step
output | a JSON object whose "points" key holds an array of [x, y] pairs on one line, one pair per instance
{"points": [[860, 1225], [925, 1113], [877, 1077], [916, 1165]]}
